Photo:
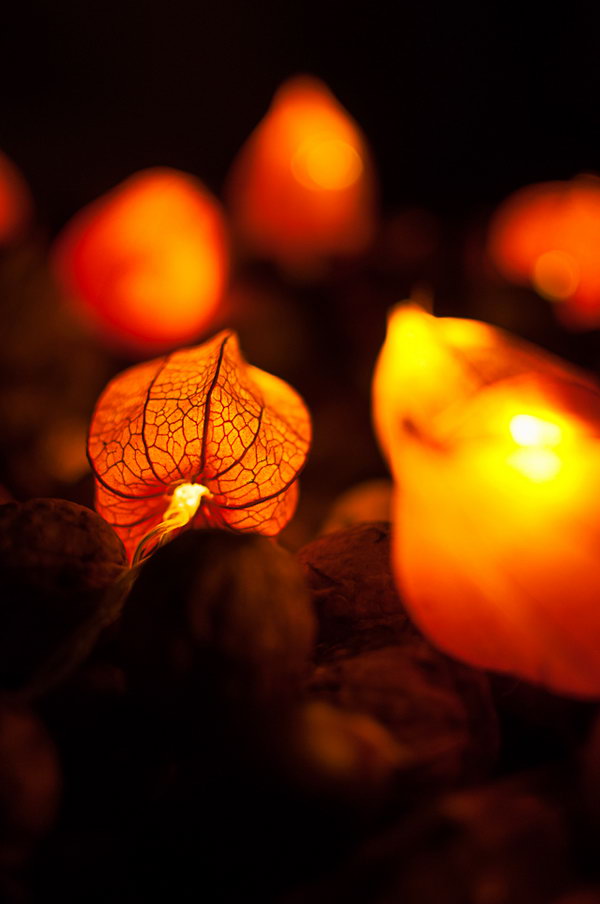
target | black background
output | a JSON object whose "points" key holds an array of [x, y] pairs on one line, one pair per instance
{"points": [[460, 105]]}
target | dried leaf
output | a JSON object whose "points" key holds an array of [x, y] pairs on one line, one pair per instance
{"points": [[199, 416]]}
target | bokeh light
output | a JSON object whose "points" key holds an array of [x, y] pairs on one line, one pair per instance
{"points": [[147, 263], [302, 188], [15, 201], [548, 236]]}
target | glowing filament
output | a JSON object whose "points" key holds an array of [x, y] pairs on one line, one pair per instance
{"points": [[184, 504]]}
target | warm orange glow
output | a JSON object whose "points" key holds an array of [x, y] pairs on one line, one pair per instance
{"points": [[494, 446], [15, 201], [147, 262], [326, 163], [537, 460], [181, 510], [302, 188], [556, 275], [199, 437], [548, 235], [62, 449], [538, 465]]}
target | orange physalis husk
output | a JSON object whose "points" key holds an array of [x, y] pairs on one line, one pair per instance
{"points": [[197, 437], [547, 236], [146, 264], [494, 446], [15, 201], [303, 186]]}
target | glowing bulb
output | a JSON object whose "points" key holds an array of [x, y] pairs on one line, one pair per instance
{"points": [[184, 504], [302, 188], [547, 235], [527, 430], [556, 275], [146, 264], [326, 163], [538, 465], [535, 460]]}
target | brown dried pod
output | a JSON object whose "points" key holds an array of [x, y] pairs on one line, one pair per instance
{"points": [[220, 621], [59, 565], [589, 776], [334, 753], [537, 725], [587, 895], [29, 784], [372, 659], [438, 710], [350, 578], [501, 844], [370, 500], [103, 746]]}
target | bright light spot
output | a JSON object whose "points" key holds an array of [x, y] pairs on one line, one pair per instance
{"points": [[536, 464], [184, 503], [556, 275], [527, 430], [328, 163], [535, 459]]}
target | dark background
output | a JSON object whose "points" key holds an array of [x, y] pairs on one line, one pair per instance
{"points": [[460, 106]]}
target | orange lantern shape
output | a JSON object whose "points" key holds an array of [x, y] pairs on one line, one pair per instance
{"points": [[198, 437], [548, 236], [15, 201], [302, 188], [494, 447], [147, 263]]}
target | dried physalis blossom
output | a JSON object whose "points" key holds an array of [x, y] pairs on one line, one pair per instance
{"points": [[547, 236], [303, 186], [494, 446], [15, 201], [146, 264], [197, 437]]}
